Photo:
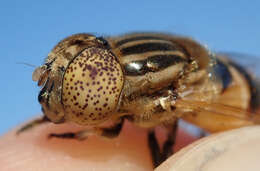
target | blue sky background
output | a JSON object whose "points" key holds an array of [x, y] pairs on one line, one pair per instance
{"points": [[29, 30]]}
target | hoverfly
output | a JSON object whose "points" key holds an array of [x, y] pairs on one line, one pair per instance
{"points": [[150, 79]]}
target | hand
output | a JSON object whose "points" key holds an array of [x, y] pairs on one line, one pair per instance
{"points": [[32, 150]]}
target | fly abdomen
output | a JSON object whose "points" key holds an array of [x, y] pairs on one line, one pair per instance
{"points": [[221, 72]]}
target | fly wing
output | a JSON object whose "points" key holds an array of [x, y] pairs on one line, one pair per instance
{"points": [[237, 106], [215, 117], [249, 62]]}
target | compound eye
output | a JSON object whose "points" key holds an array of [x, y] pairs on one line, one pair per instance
{"points": [[92, 84]]}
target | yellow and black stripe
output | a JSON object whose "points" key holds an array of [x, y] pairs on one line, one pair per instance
{"points": [[147, 52]]}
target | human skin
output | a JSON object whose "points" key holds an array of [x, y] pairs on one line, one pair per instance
{"points": [[32, 150], [234, 150]]}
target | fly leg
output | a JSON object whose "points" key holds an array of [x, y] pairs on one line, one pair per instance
{"points": [[168, 145], [163, 107], [154, 149], [110, 132], [159, 156], [33, 124]]}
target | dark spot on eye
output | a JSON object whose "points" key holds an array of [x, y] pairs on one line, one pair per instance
{"points": [[100, 88], [84, 107], [80, 64]]}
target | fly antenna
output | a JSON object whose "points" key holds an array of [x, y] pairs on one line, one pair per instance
{"points": [[27, 64]]}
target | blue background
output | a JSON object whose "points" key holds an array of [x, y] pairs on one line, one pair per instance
{"points": [[29, 30]]}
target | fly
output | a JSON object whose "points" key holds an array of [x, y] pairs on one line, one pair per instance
{"points": [[150, 79]]}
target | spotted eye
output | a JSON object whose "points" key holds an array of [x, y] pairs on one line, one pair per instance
{"points": [[92, 85]]}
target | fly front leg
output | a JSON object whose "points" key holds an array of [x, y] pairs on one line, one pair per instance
{"points": [[110, 132], [32, 124]]}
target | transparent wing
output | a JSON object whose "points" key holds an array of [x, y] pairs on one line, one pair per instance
{"points": [[226, 112], [215, 117], [249, 62]]}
